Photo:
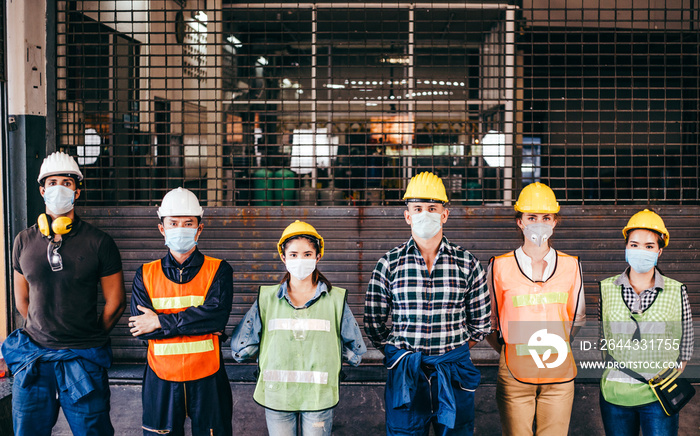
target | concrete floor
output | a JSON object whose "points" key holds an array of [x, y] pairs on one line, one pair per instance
{"points": [[361, 411]]}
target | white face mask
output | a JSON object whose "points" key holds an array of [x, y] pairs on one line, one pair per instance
{"points": [[538, 233], [59, 199], [300, 268], [426, 224]]}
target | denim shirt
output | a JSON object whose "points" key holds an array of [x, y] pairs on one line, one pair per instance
{"points": [[245, 341], [22, 356], [453, 367]]}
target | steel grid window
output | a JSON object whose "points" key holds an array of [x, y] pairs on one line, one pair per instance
{"points": [[326, 103]]}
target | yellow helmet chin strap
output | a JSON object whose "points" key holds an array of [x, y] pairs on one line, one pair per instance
{"points": [[49, 227]]}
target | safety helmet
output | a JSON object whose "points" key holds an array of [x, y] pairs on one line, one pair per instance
{"points": [[427, 187], [59, 163], [537, 198], [299, 228], [180, 202], [648, 220]]}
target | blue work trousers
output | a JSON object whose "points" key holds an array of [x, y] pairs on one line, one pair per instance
{"points": [[207, 401], [35, 407], [415, 418]]}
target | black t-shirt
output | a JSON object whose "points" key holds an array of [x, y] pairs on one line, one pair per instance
{"points": [[63, 304]]}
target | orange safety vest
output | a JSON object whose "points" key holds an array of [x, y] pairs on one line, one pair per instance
{"points": [[548, 308], [181, 358]]}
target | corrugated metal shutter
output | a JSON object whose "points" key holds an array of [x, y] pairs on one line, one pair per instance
{"points": [[357, 237]]}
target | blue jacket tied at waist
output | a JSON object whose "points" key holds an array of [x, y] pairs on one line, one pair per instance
{"points": [[21, 355], [453, 368]]}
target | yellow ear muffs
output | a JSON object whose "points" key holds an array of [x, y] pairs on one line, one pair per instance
{"points": [[44, 224], [62, 225], [59, 226]]}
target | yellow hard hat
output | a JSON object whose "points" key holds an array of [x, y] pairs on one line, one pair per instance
{"points": [[537, 198], [649, 220], [299, 228], [426, 186]]}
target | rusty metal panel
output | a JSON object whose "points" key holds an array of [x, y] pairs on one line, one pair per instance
{"points": [[357, 237]]}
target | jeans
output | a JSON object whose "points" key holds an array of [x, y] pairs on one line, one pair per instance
{"points": [[312, 423], [35, 407], [626, 421]]}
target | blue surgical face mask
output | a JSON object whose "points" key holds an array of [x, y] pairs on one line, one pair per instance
{"points": [[641, 260], [181, 239], [59, 199], [426, 224]]}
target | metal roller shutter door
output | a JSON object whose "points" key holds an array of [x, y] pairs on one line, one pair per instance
{"points": [[357, 237]]}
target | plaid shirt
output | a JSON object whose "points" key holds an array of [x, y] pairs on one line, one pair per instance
{"points": [[431, 313]]}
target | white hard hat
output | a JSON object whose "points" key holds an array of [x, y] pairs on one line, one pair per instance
{"points": [[180, 202], [59, 163]]}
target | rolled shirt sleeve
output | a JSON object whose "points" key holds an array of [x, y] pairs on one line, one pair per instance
{"points": [[245, 340], [353, 344]]}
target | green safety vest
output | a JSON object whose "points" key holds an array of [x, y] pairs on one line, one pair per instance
{"points": [[660, 328], [300, 352]]}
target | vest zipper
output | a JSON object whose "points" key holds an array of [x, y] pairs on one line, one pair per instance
{"points": [[184, 391], [180, 270]]}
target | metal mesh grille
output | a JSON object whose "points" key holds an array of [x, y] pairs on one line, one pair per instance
{"points": [[339, 104]]}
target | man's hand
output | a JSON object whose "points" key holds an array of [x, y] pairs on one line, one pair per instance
{"points": [[146, 323]]}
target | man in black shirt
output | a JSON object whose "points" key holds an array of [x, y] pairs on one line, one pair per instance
{"points": [[60, 357]]}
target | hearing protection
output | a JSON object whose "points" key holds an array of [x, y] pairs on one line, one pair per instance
{"points": [[49, 227]]}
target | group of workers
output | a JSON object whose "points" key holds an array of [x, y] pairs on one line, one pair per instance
{"points": [[427, 303]]}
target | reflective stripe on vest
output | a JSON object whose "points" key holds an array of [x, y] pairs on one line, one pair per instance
{"points": [[524, 349], [319, 325], [183, 348], [526, 307], [181, 358], [300, 352], [661, 323], [533, 299], [645, 328], [280, 375], [172, 303]]}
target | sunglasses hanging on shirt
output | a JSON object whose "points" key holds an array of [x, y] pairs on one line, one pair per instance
{"points": [[55, 259]]}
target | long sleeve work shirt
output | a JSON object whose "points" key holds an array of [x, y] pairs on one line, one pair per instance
{"points": [[210, 317], [245, 342]]}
